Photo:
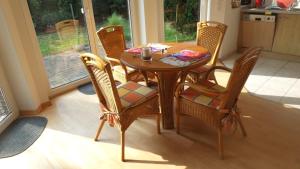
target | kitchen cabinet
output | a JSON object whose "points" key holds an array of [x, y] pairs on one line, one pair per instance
{"points": [[258, 33], [282, 36], [287, 36]]}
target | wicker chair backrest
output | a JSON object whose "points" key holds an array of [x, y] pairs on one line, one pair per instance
{"points": [[113, 40], [240, 73], [210, 35], [103, 82]]}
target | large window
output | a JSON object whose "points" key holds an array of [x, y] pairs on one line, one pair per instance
{"points": [[181, 17], [113, 12], [62, 34]]}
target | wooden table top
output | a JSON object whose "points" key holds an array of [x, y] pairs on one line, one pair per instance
{"points": [[134, 60]]}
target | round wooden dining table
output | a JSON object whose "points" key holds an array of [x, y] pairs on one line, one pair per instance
{"points": [[167, 74]]}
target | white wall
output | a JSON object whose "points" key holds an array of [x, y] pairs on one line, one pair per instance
{"points": [[232, 19], [31, 49], [221, 11], [147, 21], [138, 21], [217, 11], [4, 83], [154, 20], [18, 62]]}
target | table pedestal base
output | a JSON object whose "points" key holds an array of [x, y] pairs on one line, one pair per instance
{"points": [[167, 82]]}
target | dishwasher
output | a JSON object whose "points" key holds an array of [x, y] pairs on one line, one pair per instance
{"points": [[258, 30]]}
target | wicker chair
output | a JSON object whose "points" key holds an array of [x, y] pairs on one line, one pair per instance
{"points": [[120, 106], [113, 41], [67, 29], [210, 35], [214, 104]]}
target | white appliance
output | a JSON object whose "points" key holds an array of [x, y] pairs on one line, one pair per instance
{"points": [[255, 17]]}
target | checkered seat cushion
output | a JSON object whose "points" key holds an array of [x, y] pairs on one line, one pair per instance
{"points": [[200, 98], [132, 93]]}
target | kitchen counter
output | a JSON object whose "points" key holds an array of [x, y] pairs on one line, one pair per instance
{"points": [[270, 11], [281, 36]]}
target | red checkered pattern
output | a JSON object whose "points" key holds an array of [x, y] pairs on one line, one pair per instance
{"points": [[200, 98], [133, 93]]}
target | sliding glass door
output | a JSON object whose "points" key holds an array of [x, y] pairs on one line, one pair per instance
{"points": [[62, 34], [181, 17], [67, 28]]}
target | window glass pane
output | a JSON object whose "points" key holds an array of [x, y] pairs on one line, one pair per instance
{"points": [[62, 34], [113, 12], [181, 17]]}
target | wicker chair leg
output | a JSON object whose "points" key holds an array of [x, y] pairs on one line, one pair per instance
{"points": [[197, 79], [213, 77], [158, 123], [125, 79], [242, 126], [178, 123], [191, 78], [123, 146], [220, 138], [145, 77], [100, 128]]}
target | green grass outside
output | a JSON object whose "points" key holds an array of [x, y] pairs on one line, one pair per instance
{"points": [[50, 43], [172, 35]]}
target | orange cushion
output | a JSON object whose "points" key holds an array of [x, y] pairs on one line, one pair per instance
{"points": [[132, 93], [201, 98]]}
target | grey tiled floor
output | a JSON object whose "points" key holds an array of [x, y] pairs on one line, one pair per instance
{"points": [[275, 79]]}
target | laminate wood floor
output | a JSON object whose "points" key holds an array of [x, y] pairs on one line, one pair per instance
{"points": [[273, 140]]}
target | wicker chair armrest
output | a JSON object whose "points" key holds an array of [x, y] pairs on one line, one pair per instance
{"points": [[125, 69], [204, 90], [216, 67], [118, 62], [113, 60]]}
